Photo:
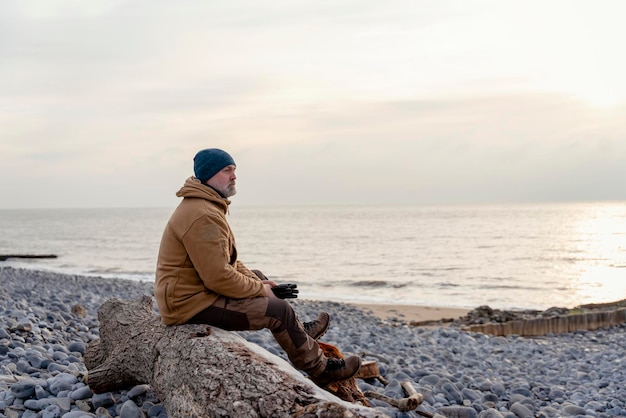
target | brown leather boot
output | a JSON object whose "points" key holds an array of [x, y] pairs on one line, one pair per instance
{"points": [[338, 369], [315, 329]]}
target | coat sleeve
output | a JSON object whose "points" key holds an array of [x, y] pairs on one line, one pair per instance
{"points": [[241, 268], [207, 244]]}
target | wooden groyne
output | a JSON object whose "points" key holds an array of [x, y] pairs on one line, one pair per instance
{"points": [[4, 257], [533, 327]]}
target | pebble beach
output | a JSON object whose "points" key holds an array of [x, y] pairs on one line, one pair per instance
{"points": [[48, 319]]}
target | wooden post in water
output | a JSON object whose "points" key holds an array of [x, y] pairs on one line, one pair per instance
{"points": [[4, 257]]}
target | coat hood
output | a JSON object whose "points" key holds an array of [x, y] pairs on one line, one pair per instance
{"points": [[195, 189]]}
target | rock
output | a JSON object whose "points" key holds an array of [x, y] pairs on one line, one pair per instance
{"points": [[79, 310], [102, 399], [458, 412], [25, 326], [61, 382], [77, 347], [83, 405], [79, 414], [137, 391], [130, 410], [522, 391], [471, 395], [573, 410], [498, 389], [102, 412], [430, 380], [556, 394], [521, 411], [81, 393], [156, 410], [23, 389], [452, 393], [490, 413], [52, 411]]}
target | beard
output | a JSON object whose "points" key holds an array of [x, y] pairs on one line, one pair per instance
{"points": [[229, 190]]}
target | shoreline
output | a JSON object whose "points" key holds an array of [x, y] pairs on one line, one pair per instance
{"points": [[411, 313]]}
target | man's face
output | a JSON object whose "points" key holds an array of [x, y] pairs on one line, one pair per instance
{"points": [[224, 181]]}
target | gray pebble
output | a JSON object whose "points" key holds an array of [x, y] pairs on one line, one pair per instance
{"points": [[51, 411], [102, 399], [430, 380], [459, 374], [56, 367], [81, 393], [23, 389], [61, 382], [83, 405], [79, 414], [458, 412], [490, 397], [156, 410], [573, 410], [102, 412], [594, 406], [556, 394], [130, 410], [137, 391], [521, 411], [498, 389], [522, 391], [452, 393], [490, 413], [77, 347], [471, 395]]}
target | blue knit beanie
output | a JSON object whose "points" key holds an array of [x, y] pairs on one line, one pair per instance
{"points": [[209, 162]]}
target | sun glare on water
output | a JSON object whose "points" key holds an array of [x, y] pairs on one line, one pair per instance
{"points": [[605, 237]]}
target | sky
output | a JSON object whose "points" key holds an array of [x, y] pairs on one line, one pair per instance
{"points": [[105, 103]]}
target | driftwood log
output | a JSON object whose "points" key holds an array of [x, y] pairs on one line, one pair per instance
{"points": [[201, 371], [411, 402]]}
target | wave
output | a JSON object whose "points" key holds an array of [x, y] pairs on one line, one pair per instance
{"points": [[445, 285], [505, 287], [369, 283], [446, 268], [376, 284]]}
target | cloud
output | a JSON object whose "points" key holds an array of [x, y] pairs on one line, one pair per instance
{"points": [[471, 150], [105, 103]]}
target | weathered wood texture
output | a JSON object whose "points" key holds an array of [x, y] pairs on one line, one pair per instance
{"points": [[588, 321], [201, 371]]}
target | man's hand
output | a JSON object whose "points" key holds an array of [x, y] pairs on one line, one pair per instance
{"points": [[269, 285], [286, 291]]}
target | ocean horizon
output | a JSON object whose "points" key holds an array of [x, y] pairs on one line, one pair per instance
{"points": [[515, 256]]}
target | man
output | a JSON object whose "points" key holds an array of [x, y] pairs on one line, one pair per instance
{"points": [[199, 278]]}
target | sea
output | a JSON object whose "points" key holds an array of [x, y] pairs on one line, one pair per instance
{"points": [[515, 256]]}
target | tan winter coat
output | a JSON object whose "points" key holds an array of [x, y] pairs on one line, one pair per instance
{"points": [[198, 258]]}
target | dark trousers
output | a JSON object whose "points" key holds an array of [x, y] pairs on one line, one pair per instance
{"points": [[275, 314]]}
